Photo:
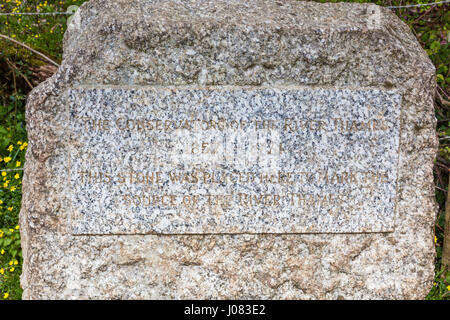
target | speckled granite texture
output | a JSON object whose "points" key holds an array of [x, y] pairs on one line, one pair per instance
{"points": [[232, 160], [214, 44]]}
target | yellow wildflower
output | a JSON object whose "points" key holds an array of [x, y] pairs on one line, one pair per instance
{"points": [[2, 251], [435, 239], [11, 230], [11, 263], [5, 185], [13, 188], [17, 227], [448, 288], [2, 271], [19, 142], [18, 163], [10, 208], [16, 262], [6, 295], [3, 173], [8, 159], [17, 176], [10, 148], [1, 201], [12, 269]]}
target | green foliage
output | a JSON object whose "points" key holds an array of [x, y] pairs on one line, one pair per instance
{"points": [[43, 33], [12, 156], [12, 159], [436, 44], [441, 286]]}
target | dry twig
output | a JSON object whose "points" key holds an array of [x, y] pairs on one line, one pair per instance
{"points": [[31, 49]]}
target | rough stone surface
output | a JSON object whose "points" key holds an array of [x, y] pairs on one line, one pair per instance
{"points": [[230, 43], [232, 160]]}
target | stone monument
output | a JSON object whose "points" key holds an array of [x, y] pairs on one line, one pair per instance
{"points": [[231, 150]]}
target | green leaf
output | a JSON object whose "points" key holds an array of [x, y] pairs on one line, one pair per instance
{"points": [[435, 46]]}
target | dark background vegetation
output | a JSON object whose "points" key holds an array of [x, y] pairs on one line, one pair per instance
{"points": [[21, 70]]}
